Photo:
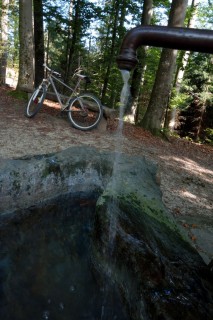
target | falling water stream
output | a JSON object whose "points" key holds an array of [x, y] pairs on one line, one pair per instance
{"points": [[118, 149], [118, 152], [123, 100], [112, 205]]}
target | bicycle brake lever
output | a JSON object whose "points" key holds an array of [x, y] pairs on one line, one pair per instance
{"points": [[57, 74]]}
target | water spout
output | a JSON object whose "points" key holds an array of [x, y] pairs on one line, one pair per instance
{"points": [[164, 37]]}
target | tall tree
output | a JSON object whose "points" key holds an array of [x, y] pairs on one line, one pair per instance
{"points": [[74, 32], [69, 39], [80, 17], [139, 70], [38, 40], [184, 58], [3, 40], [114, 25], [26, 51], [155, 113]]}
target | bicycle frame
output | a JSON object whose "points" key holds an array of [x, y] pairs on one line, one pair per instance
{"points": [[50, 80]]}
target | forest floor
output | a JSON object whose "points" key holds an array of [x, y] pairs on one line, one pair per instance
{"points": [[185, 169]]}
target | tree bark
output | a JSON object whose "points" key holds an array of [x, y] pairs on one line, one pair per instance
{"points": [[155, 113], [38, 41], [26, 51], [4, 40]]}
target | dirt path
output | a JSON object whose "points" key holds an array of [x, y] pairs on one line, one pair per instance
{"points": [[185, 172]]}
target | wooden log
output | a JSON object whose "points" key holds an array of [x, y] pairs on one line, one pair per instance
{"points": [[110, 113]]}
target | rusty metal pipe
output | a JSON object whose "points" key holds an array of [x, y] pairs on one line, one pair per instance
{"points": [[164, 37]]}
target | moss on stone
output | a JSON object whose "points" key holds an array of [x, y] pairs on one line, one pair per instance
{"points": [[16, 180], [137, 204], [52, 167]]}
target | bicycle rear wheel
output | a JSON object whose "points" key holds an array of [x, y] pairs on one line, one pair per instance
{"points": [[85, 111], [36, 101]]}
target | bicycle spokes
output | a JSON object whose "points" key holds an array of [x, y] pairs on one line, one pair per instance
{"points": [[36, 101], [84, 112]]}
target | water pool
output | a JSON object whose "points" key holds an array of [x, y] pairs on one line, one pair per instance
{"points": [[45, 265]]}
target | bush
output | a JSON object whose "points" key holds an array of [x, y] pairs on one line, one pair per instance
{"points": [[209, 136]]}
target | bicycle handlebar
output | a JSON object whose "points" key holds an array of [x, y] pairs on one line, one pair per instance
{"points": [[52, 71], [76, 73]]}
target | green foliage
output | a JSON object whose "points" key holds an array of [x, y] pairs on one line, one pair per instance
{"points": [[180, 100], [209, 136], [205, 15], [18, 94], [195, 99], [197, 82], [12, 44], [161, 11], [198, 76], [65, 32], [153, 57]]}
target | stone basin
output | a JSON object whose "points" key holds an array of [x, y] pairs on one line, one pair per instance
{"points": [[136, 245]]}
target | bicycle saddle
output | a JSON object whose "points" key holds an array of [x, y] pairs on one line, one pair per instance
{"points": [[83, 77]]}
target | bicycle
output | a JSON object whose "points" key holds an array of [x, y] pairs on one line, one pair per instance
{"points": [[84, 110]]}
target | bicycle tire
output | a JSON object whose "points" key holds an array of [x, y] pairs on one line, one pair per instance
{"points": [[36, 101], [85, 111]]}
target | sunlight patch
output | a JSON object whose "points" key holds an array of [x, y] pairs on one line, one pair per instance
{"points": [[188, 194]]}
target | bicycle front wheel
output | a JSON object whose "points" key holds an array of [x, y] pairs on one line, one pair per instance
{"points": [[85, 111], [36, 101]]}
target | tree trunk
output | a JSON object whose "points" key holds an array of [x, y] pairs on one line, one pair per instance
{"points": [[69, 39], [75, 31], [112, 49], [39, 41], [4, 40], [26, 51], [182, 66], [155, 113], [140, 68]]}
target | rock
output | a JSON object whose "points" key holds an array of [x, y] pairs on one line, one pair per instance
{"points": [[137, 244], [139, 247], [29, 181]]}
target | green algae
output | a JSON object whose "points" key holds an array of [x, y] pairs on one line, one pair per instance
{"points": [[139, 205]]}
